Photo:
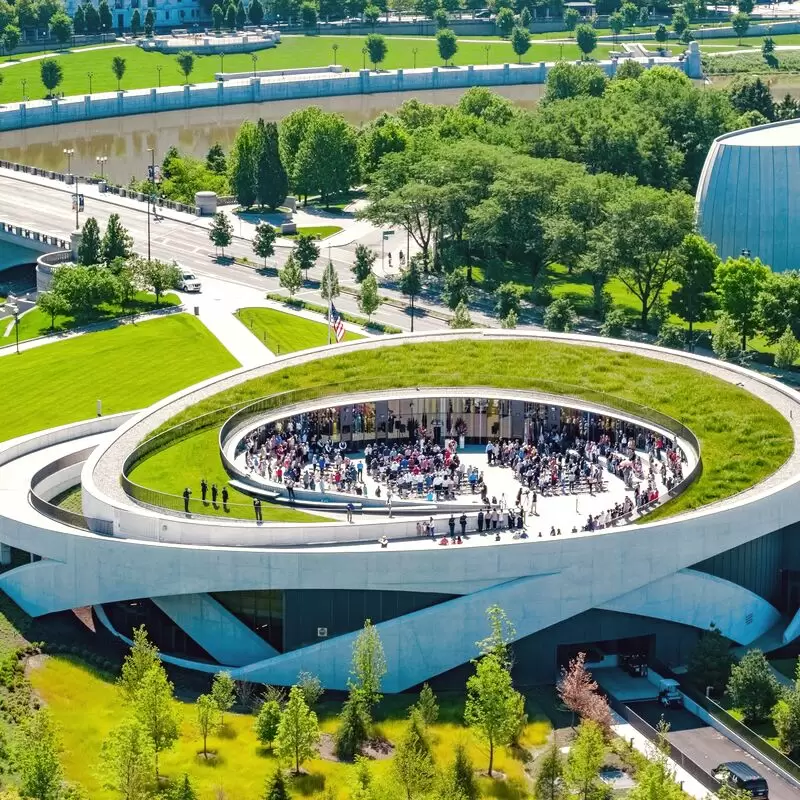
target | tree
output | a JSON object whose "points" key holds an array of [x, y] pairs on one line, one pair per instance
{"points": [[136, 22], [710, 661], [580, 693], [368, 665], [218, 15], [693, 300], [106, 19], [585, 758], [51, 73], [501, 635], [786, 353], [142, 657], [267, 721], [662, 34], [182, 790], [11, 37], [363, 263], [371, 14], [215, 160], [368, 298], [276, 787], [441, 18], [223, 692], [725, 339], [457, 289], [427, 706], [208, 718], [118, 67], [493, 706], [255, 11], [461, 777], [272, 181], [739, 282], [644, 16], [37, 763], [306, 251], [90, 248], [241, 16], [83, 289], [751, 93], [520, 41], [786, 719], [55, 305], [461, 318], [740, 22], [376, 49], [311, 687], [309, 15], [446, 43], [230, 16], [159, 276], [616, 22], [92, 19], [264, 241], [79, 21], [155, 710], [298, 731], [290, 276], [117, 242], [354, 726], [411, 283], [508, 297], [412, 764], [586, 38], [242, 166], [571, 18], [630, 13], [185, 59], [60, 27], [149, 22], [329, 285], [549, 780], [565, 81], [680, 22], [768, 51], [559, 315], [221, 231], [753, 687], [128, 760], [504, 22], [657, 778]]}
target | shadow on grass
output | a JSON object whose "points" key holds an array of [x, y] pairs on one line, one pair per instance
{"points": [[513, 789], [212, 759], [308, 784], [225, 731]]}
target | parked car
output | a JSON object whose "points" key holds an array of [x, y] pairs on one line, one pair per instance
{"points": [[739, 775], [669, 693], [484, 13], [189, 282]]}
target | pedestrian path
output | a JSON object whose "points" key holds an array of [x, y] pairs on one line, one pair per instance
{"points": [[56, 53]]}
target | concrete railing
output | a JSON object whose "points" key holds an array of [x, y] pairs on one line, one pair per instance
{"points": [[33, 239], [45, 265]]}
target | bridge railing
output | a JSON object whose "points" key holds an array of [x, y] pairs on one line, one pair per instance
{"points": [[35, 236]]}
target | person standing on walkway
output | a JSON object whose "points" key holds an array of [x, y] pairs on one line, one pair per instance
{"points": [[257, 508], [214, 492], [350, 508], [463, 522], [224, 496], [187, 493], [480, 521], [203, 488]]}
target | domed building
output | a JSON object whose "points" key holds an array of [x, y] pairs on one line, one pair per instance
{"points": [[748, 197]]}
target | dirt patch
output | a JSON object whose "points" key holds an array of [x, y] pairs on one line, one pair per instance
{"points": [[377, 749], [496, 775]]}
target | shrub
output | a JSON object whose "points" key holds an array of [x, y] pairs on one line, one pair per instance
{"points": [[614, 324], [672, 336], [560, 315]]}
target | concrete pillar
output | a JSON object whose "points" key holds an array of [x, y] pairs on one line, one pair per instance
{"points": [[255, 88], [220, 92], [435, 76], [153, 100], [542, 73], [23, 114], [506, 73], [75, 242], [187, 100], [400, 80], [694, 67], [363, 75], [5, 554]]}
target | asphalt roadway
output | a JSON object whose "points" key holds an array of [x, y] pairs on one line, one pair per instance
{"points": [[708, 748]]}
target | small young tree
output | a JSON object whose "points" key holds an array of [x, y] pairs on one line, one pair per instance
{"points": [[117, 242], [182, 790], [267, 721], [185, 59], [710, 661], [90, 248], [657, 778], [504, 22], [616, 22], [376, 49], [208, 718], [580, 693], [493, 707], [364, 260], [446, 44], [136, 22], [786, 719], [127, 761], [264, 241], [223, 692], [276, 787], [37, 763], [155, 710], [559, 315], [329, 285], [368, 665], [571, 18], [290, 276], [221, 232], [159, 276], [411, 283], [142, 657], [740, 22], [461, 317], [508, 297], [311, 687], [354, 726], [457, 289], [787, 350], [149, 22], [118, 67], [11, 37], [306, 251], [585, 758], [461, 776], [661, 34], [52, 304], [549, 780], [368, 298], [61, 27], [520, 42], [753, 687], [725, 339], [298, 731], [586, 38], [427, 706], [412, 764]]}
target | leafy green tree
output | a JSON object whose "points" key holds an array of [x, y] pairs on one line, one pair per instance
{"points": [[786, 719], [54, 305], [149, 22], [586, 39], [292, 132], [118, 67], [411, 283], [79, 21], [155, 710], [446, 43], [185, 59], [753, 687], [461, 318], [493, 706], [298, 731], [751, 93], [117, 242], [657, 778], [309, 15], [40, 774], [786, 353], [550, 778], [644, 16], [768, 51], [136, 22], [354, 726], [90, 247], [51, 74], [459, 779], [128, 761], [376, 48], [585, 758], [159, 276], [272, 181], [106, 20], [181, 790], [329, 287], [255, 11], [92, 18], [221, 231], [218, 15], [61, 27], [223, 693], [505, 22], [368, 665], [559, 315], [230, 16], [83, 289], [290, 276], [306, 252], [710, 661], [616, 22], [267, 721], [208, 718], [427, 706], [412, 764], [509, 296], [630, 13], [739, 283], [680, 22], [571, 18], [216, 161], [441, 18], [740, 22], [371, 14], [276, 787], [520, 42], [264, 241], [368, 298], [661, 34], [725, 340], [457, 289], [361, 784], [693, 300], [241, 16], [242, 165], [11, 37], [311, 687], [363, 263], [565, 81], [142, 657]]}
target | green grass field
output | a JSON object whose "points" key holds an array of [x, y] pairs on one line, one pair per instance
{"points": [[742, 438], [314, 231], [37, 323], [86, 706], [300, 51], [285, 333], [127, 368]]}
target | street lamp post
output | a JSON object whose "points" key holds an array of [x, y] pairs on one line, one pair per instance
{"points": [[487, 48], [90, 75], [69, 152], [415, 51], [101, 160], [158, 69], [13, 309], [364, 52], [334, 47], [255, 62], [24, 84], [222, 63]]}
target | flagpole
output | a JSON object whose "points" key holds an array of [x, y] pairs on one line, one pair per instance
{"points": [[330, 312]]}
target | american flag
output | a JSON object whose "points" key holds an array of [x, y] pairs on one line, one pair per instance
{"points": [[338, 323]]}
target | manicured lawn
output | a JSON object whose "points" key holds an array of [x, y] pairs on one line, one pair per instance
{"points": [[86, 706], [284, 333], [742, 438], [751, 42], [37, 323], [315, 231], [127, 368], [300, 51], [188, 461]]}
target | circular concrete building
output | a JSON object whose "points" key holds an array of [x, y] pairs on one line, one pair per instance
{"points": [[747, 198]]}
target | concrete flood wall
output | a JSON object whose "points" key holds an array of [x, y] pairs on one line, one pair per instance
{"points": [[257, 90]]}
